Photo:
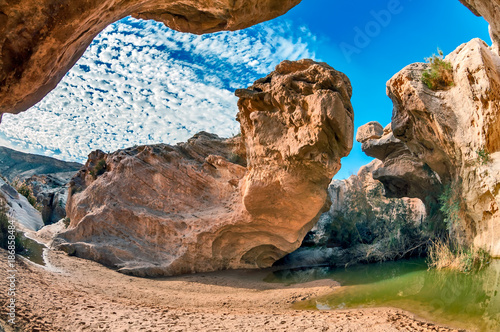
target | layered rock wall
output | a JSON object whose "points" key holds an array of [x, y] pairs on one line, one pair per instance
{"points": [[213, 203]]}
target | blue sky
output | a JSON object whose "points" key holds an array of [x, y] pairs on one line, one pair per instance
{"points": [[142, 83]]}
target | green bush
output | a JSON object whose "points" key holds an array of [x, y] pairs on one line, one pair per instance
{"points": [[237, 159], [99, 169], [440, 74], [366, 225], [483, 156]]}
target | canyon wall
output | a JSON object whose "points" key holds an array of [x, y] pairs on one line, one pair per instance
{"points": [[213, 203], [41, 40], [450, 143]]}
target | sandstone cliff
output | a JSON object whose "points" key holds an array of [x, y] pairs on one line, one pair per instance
{"points": [[450, 139], [41, 40], [213, 203]]}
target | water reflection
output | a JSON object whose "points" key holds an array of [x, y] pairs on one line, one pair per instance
{"points": [[461, 300]]}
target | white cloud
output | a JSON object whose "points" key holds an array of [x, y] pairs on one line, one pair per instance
{"points": [[142, 83]]}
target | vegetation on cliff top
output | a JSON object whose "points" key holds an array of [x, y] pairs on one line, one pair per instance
{"points": [[440, 74], [99, 169]]}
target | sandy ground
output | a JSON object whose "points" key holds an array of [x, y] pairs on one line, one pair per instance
{"points": [[79, 295]]}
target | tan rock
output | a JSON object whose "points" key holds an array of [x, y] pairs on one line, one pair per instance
{"points": [[371, 130], [402, 174], [490, 10], [447, 131], [165, 210], [388, 129], [41, 40]]}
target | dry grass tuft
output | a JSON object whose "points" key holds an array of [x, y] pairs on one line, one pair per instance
{"points": [[451, 256]]}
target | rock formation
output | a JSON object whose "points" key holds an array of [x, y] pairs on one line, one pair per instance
{"points": [[454, 133], [402, 174], [363, 225], [165, 210], [41, 40], [50, 192], [46, 178], [490, 11]]}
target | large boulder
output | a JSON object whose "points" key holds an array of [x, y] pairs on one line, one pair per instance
{"points": [[40, 40], [214, 203]]}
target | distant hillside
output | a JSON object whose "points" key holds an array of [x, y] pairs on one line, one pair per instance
{"points": [[19, 164]]}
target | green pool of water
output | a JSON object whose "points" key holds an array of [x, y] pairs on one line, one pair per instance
{"points": [[33, 250], [470, 301]]}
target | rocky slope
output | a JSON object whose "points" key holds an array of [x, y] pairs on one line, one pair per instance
{"points": [[47, 179], [41, 40], [213, 203], [24, 216], [452, 139]]}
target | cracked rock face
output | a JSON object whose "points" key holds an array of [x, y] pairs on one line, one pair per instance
{"points": [[41, 40], [453, 136], [213, 203]]}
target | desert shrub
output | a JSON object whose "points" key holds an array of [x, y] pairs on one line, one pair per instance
{"points": [[374, 227], [235, 158], [27, 192], [99, 169], [66, 221], [4, 231], [444, 254], [451, 201], [483, 156], [440, 74]]}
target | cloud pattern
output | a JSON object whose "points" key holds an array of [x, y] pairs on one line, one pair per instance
{"points": [[142, 83]]}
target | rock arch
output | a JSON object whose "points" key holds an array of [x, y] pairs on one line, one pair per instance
{"points": [[41, 40]]}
